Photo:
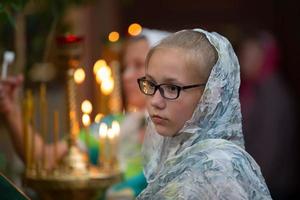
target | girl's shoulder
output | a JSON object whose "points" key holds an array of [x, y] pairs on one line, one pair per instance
{"points": [[219, 154]]}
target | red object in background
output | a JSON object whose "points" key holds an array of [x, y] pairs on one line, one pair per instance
{"points": [[69, 39]]}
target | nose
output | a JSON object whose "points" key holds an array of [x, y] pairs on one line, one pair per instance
{"points": [[157, 100]]}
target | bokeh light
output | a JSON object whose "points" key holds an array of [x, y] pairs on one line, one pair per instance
{"points": [[107, 86], [134, 29], [103, 73], [98, 117], [103, 130], [86, 121], [79, 75], [86, 107], [100, 63], [113, 36]]}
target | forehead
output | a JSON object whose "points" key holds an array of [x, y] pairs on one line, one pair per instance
{"points": [[136, 50], [172, 64]]}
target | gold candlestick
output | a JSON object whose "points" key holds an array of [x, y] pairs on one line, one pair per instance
{"points": [[44, 120], [74, 163], [55, 135], [27, 118], [32, 138]]}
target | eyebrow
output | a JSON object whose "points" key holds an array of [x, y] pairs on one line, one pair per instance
{"points": [[167, 80]]}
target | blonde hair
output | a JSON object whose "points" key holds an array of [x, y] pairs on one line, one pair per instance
{"points": [[199, 50]]}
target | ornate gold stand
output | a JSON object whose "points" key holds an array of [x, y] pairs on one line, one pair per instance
{"points": [[72, 178], [90, 186]]}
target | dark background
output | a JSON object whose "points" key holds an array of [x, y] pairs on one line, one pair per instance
{"points": [[229, 17]]}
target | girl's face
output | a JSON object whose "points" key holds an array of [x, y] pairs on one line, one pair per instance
{"points": [[169, 66]]}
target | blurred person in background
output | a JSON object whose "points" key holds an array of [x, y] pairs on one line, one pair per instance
{"points": [[132, 127], [268, 113]]}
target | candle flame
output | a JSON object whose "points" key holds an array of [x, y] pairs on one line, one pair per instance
{"points": [[110, 133], [103, 73], [86, 121], [102, 130], [98, 117], [100, 63], [86, 106], [115, 127], [107, 86], [79, 75]]}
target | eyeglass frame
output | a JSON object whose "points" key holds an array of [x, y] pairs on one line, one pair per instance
{"points": [[161, 90]]}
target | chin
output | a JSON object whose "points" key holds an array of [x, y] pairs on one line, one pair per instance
{"points": [[163, 131]]}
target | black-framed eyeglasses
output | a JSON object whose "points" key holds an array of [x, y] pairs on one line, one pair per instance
{"points": [[167, 91]]}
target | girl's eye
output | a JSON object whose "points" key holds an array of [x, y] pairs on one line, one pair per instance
{"points": [[171, 88]]}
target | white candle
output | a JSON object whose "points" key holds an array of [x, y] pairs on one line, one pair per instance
{"points": [[112, 153], [9, 57], [102, 143], [86, 121]]}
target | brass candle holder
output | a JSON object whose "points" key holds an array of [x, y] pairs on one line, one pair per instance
{"points": [[71, 177]]}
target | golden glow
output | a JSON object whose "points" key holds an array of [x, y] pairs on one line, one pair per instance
{"points": [[79, 75], [103, 130], [113, 36], [107, 86], [86, 107], [134, 29], [73, 63], [110, 133], [115, 126], [86, 121], [98, 65], [103, 74], [98, 117]]}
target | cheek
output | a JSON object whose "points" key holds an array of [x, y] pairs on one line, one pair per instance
{"points": [[186, 109], [180, 119]]}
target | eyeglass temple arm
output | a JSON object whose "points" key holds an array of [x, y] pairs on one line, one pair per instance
{"points": [[192, 86]]}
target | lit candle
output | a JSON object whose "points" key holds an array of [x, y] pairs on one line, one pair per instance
{"points": [[9, 57], [86, 121], [102, 143], [116, 129], [111, 142]]}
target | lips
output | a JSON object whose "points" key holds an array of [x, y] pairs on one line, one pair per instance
{"points": [[158, 119]]}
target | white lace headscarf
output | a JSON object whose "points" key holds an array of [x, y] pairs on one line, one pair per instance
{"points": [[217, 114]]}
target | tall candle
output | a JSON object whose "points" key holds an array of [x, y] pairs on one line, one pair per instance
{"points": [[112, 147], [116, 131], [27, 109], [55, 135], [43, 111], [32, 137], [86, 121], [102, 143]]}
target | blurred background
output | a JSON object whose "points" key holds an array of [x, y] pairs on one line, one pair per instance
{"points": [[264, 33]]}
